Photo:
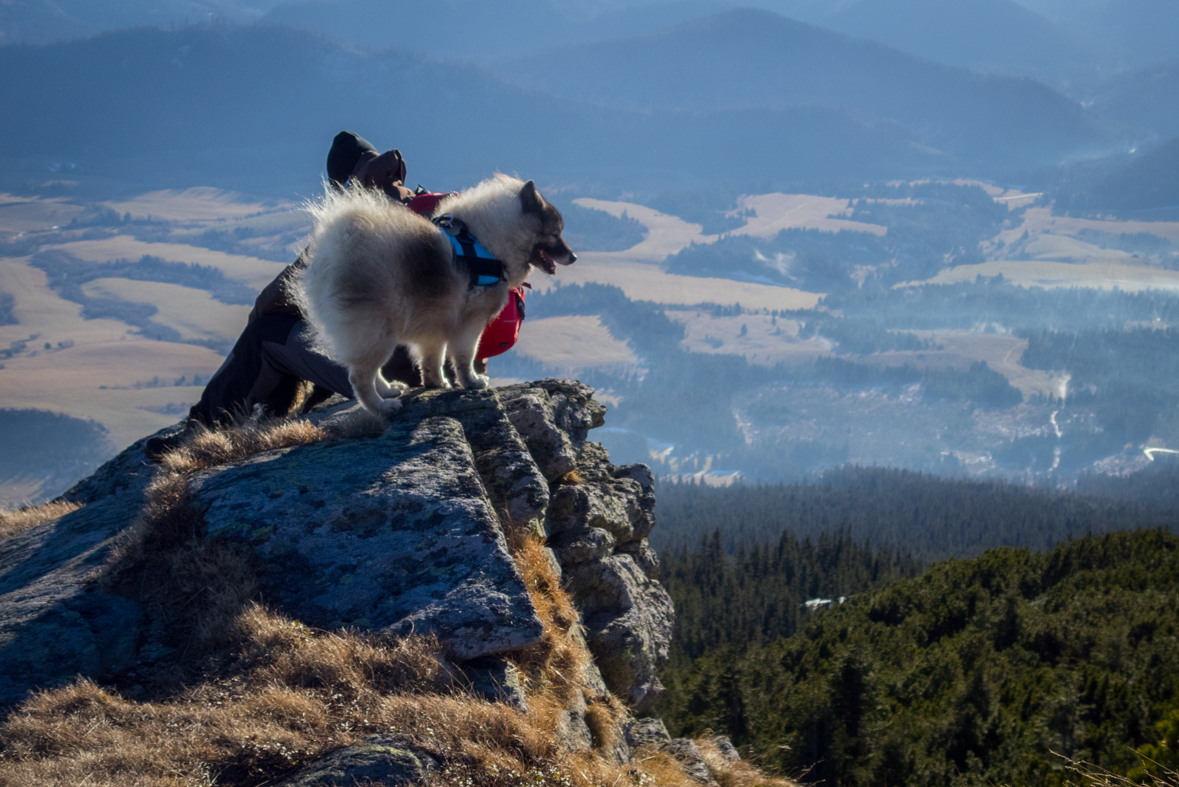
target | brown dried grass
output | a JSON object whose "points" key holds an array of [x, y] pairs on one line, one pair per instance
{"points": [[25, 517], [195, 587], [212, 447], [736, 773], [275, 695], [1086, 774]]}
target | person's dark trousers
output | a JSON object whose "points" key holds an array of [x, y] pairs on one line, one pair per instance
{"points": [[272, 355], [265, 367]]}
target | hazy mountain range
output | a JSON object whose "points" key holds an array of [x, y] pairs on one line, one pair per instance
{"points": [[1070, 44], [613, 95], [740, 96]]}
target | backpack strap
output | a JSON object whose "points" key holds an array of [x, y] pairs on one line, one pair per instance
{"points": [[483, 269]]}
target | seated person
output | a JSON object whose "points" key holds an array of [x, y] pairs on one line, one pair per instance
{"points": [[272, 358]]}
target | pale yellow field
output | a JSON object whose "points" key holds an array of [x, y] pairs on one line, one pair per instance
{"points": [[777, 212], [70, 381], [1040, 220], [763, 343], [572, 343], [196, 204], [666, 234], [42, 313], [252, 271], [19, 214], [1066, 249], [194, 313], [961, 348], [104, 353], [1050, 274], [646, 282]]}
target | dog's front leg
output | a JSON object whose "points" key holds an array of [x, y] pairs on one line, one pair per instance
{"points": [[364, 385], [430, 359], [462, 352], [387, 389]]}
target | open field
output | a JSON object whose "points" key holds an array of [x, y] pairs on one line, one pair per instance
{"points": [[21, 214], [1050, 274], [195, 204], [642, 281], [777, 212], [93, 375], [248, 270], [1068, 249], [194, 313], [763, 342], [1040, 220], [666, 234], [41, 313], [570, 343], [97, 380], [962, 348]]}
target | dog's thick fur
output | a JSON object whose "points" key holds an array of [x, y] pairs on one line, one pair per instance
{"points": [[380, 276]]}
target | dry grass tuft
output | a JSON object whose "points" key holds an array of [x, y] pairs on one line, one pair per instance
{"points": [[556, 667], [195, 587], [21, 519], [571, 478], [287, 653], [736, 773], [1085, 774], [212, 447]]}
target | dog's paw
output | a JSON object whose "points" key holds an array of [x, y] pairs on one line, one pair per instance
{"points": [[394, 389], [477, 381], [390, 406]]}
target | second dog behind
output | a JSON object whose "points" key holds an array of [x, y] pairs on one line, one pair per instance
{"points": [[381, 275]]}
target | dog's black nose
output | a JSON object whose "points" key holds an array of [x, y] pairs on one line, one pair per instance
{"points": [[572, 258]]}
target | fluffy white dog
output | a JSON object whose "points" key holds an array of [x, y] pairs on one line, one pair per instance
{"points": [[380, 275]]}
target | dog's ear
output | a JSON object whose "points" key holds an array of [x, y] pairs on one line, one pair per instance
{"points": [[530, 198]]}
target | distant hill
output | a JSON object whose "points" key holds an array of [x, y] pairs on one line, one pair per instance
{"points": [[254, 109], [990, 36], [1135, 32], [750, 58], [42, 21], [1143, 185], [1144, 97]]}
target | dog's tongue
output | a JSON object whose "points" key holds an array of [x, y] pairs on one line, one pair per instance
{"points": [[547, 261]]}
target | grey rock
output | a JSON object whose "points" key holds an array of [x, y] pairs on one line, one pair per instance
{"points": [[554, 417], [652, 734], [646, 732], [592, 506], [127, 474], [55, 622], [571, 728], [645, 557], [628, 617], [578, 546], [726, 747], [495, 679], [391, 760], [389, 534], [691, 759]]}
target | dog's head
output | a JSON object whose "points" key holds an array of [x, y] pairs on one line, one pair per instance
{"points": [[549, 248]]}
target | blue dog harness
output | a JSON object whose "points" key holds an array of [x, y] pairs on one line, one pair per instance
{"points": [[482, 267]]}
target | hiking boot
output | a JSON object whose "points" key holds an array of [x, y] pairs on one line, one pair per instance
{"points": [[155, 448]]}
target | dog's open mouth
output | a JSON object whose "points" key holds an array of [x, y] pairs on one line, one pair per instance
{"points": [[546, 261]]}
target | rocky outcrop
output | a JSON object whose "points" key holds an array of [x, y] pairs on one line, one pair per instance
{"points": [[397, 532]]}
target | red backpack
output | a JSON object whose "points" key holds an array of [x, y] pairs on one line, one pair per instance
{"points": [[502, 332]]}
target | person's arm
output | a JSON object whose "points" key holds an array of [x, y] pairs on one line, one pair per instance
{"points": [[275, 297]]}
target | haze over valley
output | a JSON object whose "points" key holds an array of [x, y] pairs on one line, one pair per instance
{"points": [[808, 236]]}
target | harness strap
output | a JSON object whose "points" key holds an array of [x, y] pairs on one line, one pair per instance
{"points": [[483, 269]]}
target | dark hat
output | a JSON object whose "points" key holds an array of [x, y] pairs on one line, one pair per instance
{"points": [[347, 148]]}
